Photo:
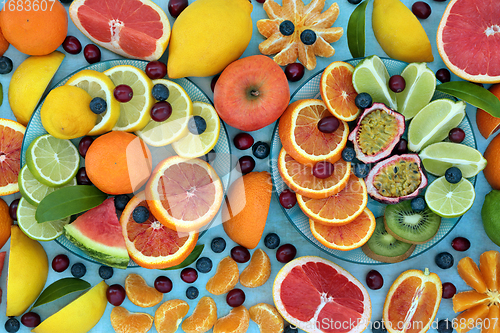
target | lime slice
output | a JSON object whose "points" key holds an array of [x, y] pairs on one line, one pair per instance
{"points": [[450, 200], [371, 76], [34, 191], [97, 84], [134, 114], [39, 231], [52, 161], [438, 157], [420, 86], [159, 134], [433, 123], [194, 145]]}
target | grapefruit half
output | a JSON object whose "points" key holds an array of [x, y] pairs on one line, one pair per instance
{"points": [[11, 141], [318, 296], [136, 29], [468, 39]]}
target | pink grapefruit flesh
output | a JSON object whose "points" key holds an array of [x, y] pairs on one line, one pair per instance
{"points": [[10, 159]]}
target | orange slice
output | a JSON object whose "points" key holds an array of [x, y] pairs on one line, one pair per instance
{"points": [[301, 138], [11, 141], [258, 271], [468, 299], [489, 265], [139, 293], [151, 244], [339, 209], [184, 194], [348, 236], [337, 90], [169, 315], [225, 278], [300, 178], [267, 318], [124, 321], [203, 318], [237, 321]]}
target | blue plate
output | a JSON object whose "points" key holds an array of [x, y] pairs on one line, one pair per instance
{"points": [[310, 89], [221, 164]]}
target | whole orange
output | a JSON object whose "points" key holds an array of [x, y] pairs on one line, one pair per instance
{"points": [[492, 170], [118, 162], [486, 123], [34, 27], [5, 223]]}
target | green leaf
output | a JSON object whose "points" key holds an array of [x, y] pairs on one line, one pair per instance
{"points": [[472, 94], [59, 289], [198, 249], [67, 201], [356, 31]]}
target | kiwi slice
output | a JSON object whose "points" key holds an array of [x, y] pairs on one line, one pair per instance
{"points": [[407, 225], [384, 247]]}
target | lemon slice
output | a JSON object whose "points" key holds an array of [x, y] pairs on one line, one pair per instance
{"points": [[420, 86], [450, 200], [195, 145], [39, 231], [134, 114], [159, 134], [97, 84]]}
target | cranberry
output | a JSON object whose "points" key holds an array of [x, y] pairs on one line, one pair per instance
{"points": [[243, 141], [286, 253], [323, 169], [246, 164], [189, 275], [214, 82], [397, 83], [115, 294], [260, 1], [328, 124], [156, 70], [175, 7], [161, 111], [123, 93], [288, 199], [460, 244], [13, 209], [449, 290], [235, 297], [456, 135], [82, 178], [443, 75], [294, 72], [374, 280], [163, 284], [421, 9], [92, 53], [240, 254], [31, 319], [72, 45], [401, 147], [84, 145], [60, 263]]}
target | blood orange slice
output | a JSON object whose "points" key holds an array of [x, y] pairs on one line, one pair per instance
{"points": [[468, 37], [132, 28], [11, 140], [319, 296], [151, 244]]}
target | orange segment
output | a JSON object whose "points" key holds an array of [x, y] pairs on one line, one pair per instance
{"points": [[491, 324], [300, 178], [169, 315], [237, 321], [124, 321], [337, 90], [339, 209], [468, 299], [471, 318], [225, 277], [348, 236], [139, 293], [267, 318], [489, 265], [258, 271], [301, 138], [203, 318], [469, 272]]}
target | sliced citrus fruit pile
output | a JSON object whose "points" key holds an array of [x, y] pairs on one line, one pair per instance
{"points": [[11, 141], [169, 315], [203, 317], [450, 200], [139, 293], [124, 321]]}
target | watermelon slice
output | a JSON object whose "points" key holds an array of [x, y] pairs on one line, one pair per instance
{"points": [[98, 233]]}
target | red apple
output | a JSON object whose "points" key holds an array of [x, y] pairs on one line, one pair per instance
{"points": [[251, 93]]}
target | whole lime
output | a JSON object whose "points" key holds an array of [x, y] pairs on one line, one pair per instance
{"points": [[490, 214]]}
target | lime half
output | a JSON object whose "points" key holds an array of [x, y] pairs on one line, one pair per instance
{"points": [[39, 231], [420, 86], [450, 200]]}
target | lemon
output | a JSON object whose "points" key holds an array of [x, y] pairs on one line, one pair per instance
{"points": [[29, 81], [207, 36], [450, 200], [420, 86], [78, 316], [97, 84], [27, 274], [399, 32]]}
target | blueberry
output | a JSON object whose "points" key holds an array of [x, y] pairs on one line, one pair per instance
{"points": [[12, 325], [204, 265], [160, 92], [444, 260], [348, 154], [291, 329], [354, 2], [210, 156], [378, 327], [363, 100], [140, 214], [78, 270], [5, 65], [192, 292], [98, 105], [105, 272], [361, 170], [261, 149], [308, 37], [272, 241], [445, 326], [218, 244], [453, 175], [287, 28], [418, 204], [197, 125], [121, 201]]}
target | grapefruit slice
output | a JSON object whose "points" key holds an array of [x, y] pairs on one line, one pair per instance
{"points": [[132, 28], [468, 38], [318, 296], [11, 140]]}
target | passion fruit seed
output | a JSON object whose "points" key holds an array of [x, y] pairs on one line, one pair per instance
{"points": [[376, 130], [399, 179]]}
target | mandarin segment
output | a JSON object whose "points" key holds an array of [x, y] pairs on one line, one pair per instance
{"points": [[124, 321], [267, 318], [225, 278], [468, 299], [470, 318], [258, 271], [203, 318], [489, 266], [491, 324], [237, 321], [139, 293], [169, 315], [469, 272]]}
